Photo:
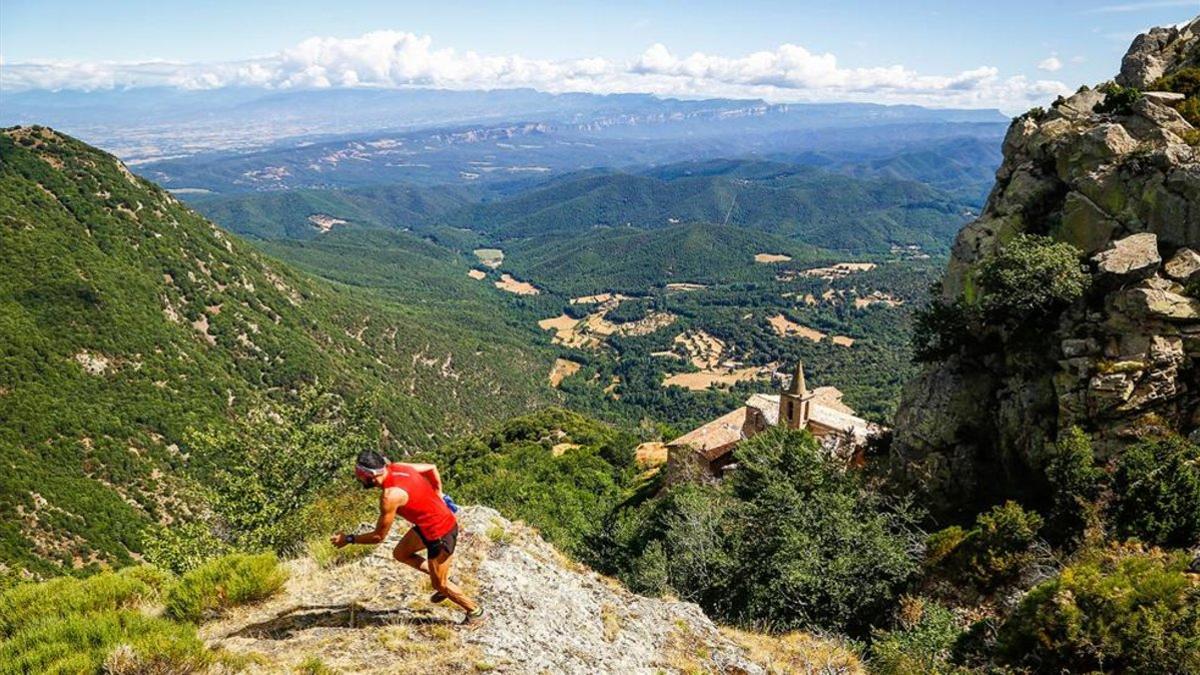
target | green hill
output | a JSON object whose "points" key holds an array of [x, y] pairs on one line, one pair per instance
{"points": [[127, 320], [285, 214], [633, 260], [804, 203]]}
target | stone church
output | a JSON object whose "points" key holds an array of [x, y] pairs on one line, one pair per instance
{"points": [[820, 411]]}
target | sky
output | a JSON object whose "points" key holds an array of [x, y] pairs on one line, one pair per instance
{"points": [[966, 53]]}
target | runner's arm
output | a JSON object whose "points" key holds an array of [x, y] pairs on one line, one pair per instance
{"points": [[430, 472], [389, 501]]}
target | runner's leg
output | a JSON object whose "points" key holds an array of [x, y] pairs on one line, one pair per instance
{"points": [[406, 551], [439, 574]]}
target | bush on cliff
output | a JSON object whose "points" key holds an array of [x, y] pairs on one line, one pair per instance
{"points": [[1030, 279], [995, 553], [1125, 610], [1157, 490]]}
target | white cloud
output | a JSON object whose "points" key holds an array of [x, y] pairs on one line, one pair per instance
{"points": [[1129, 7], [391, 59], [1050, 64]]}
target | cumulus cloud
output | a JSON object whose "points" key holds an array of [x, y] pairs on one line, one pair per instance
{"points": [[1050, 63], [391, 59]]}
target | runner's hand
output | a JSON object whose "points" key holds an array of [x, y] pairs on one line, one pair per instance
{"points": [[338, 540]]}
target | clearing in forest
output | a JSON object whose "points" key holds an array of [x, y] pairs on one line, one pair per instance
{"points": [[492, 257], [877, 297], [785, 327], [771, 258], [478, 275], [325, 223], [563, 368], [512, 285], [720, 377], [704, 350], [838, 271]]}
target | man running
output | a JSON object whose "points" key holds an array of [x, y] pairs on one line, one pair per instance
{"points": [[415, 492]]}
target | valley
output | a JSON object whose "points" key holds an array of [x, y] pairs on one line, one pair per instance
{"points": [[718, 383]]}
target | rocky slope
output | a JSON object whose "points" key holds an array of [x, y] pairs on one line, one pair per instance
{"points": [[1124, 188], [547, 615]]}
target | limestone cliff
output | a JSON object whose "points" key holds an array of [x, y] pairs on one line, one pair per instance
{"points": [[1115, 171]]}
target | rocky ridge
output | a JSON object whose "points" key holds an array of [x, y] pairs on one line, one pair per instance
{"points": [[1124, 188], [547, 614]]}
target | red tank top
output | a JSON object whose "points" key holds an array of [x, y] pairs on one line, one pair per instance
{"points": [[424, 509]]}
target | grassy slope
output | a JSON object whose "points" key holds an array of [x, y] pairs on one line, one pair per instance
{"points": [[102, 267]]}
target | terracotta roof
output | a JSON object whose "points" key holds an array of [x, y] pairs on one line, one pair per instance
{"points": [[825, 409], [726, 429], [836, 419], [767, 404]]}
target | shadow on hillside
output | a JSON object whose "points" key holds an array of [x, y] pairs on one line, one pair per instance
{"points": [[286, 624]]}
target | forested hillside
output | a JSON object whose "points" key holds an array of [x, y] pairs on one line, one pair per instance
{"points": [[807, 204], [129, 325]]}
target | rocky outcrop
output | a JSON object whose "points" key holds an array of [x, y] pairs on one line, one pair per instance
{"points": [[548, 614], [1124, 188]]}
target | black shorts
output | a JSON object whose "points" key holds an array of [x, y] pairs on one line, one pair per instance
{"points": [[446, 542]]}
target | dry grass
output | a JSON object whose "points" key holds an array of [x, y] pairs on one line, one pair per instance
{"points": [[797, 652], [513, 285], [498, 534], [611, 620], [563, 368], [771, 258]]}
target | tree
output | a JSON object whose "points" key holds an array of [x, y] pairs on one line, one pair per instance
{"points": [[1029, 279]]}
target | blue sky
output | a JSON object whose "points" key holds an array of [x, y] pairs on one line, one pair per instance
{"points": [[925, 52]]}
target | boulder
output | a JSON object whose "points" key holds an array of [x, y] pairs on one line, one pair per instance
{"points": [[1152, 303], [1183, 265], [1084, 225], [1134, 257], [1147, 57]]}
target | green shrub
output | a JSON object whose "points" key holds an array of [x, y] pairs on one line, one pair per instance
{"points": [[992, 554], [183, 547], [941, 329], [921, 644], [1076, 483], [110, 641], [1189, 109], [1126, 611], [808, 543], [223, 583], [942, 543], [1118, 100], [1157, 491], [1184, 81], [286, 455], [1029, 279], [30, 603]]}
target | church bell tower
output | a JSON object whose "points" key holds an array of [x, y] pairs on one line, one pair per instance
{"points": [[795, 400]]}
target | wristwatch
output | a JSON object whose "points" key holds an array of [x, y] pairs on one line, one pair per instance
{"points": [[349, 539]]}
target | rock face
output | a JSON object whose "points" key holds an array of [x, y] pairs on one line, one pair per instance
{"points": [[1124, 188], [547, 615]]}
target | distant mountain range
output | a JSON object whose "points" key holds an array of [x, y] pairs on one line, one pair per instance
{"points": [[155, 123], [870, 211]]}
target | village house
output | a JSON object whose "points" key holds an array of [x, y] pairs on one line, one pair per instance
{"points": [[820, 411]]}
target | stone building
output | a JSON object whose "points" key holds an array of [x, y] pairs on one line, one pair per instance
{"points": [[709, 448]]}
